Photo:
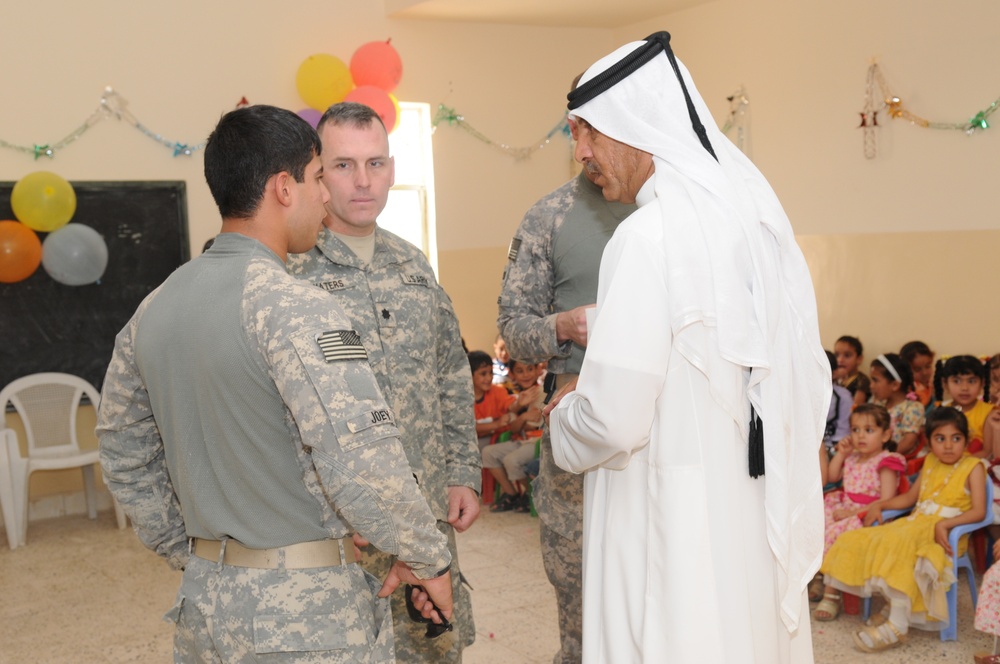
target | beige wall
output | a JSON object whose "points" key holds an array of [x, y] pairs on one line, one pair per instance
{"points": [[867, 226]]}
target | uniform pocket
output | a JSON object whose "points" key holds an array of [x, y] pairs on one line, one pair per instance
{"points": [[298, 633]]}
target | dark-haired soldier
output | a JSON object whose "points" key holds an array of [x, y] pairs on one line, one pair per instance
{"points": [[243, 432]]}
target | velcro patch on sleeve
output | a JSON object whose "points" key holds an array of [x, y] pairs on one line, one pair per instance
{"points": [[340, 345]]}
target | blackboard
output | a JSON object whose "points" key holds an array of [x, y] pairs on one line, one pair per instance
{"points": [[48, 326]]}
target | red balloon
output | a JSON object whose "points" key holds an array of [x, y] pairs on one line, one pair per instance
{"points": [[20, 252], [378, 100], [378, 64]]}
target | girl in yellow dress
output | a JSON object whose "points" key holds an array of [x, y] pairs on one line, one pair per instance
{"points": [[908, 560]]}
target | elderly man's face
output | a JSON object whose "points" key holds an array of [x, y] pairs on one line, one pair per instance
{"points": [[619, 170]]}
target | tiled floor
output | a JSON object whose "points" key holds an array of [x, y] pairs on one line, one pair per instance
{"points": [[83, 591]]}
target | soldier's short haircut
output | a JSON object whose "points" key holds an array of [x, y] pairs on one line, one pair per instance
{"points": [[247, 147], [350, 113]]}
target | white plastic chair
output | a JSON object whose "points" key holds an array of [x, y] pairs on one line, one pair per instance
{"points": [[48, 405], [7, 489]]}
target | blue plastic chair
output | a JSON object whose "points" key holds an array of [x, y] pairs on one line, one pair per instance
{"points": [[950, 633]]}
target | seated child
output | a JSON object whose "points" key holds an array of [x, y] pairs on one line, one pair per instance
{"points": [[907, 560], [501, 358], [850, 357], [492, 403], [966, 380], [921, 360], [871, 472], [506, 460], [529, 392], [994, 378], [892, 387], [838, 419], [988, 609]]}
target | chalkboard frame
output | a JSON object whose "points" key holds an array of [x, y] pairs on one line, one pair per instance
{"points": [[48, 326]]}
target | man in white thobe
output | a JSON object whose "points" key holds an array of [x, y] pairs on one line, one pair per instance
{"points": [[704, 391]]}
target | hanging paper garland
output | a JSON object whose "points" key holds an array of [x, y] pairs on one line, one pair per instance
{"points": [[445, 114], [112, 106], [894, 105], [739, 119]]}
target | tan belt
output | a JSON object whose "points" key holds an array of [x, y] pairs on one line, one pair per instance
{"points": [[304, 555]]}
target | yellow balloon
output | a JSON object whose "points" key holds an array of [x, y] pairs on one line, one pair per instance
{"points": [[43, 201], [395, 103], [323, 80]]}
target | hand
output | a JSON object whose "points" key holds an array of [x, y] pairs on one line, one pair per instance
{"points": [[941, 536], [527, 397], [845, 446], [996, 550], [463, 507], [874, 514], [572, 325], [842, 513], [436, 590], [557, 397], [359, 543]]}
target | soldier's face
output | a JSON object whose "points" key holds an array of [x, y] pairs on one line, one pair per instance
{"points": [[310, 208], [619, 170], [358, 173]]}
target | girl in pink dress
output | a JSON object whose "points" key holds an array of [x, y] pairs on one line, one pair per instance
{"points": [[871, 471], [988, 609]]}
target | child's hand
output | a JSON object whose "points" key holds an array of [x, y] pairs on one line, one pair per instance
{"points": [[941, 536], [842, 513], [845, 446], [874, 514], [528, 396], [996, 550]]}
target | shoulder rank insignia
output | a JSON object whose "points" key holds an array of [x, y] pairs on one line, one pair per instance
{"points": [[515, 246], [338, 345]]}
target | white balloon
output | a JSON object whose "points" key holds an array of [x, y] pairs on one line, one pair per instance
{"points": [[75, 255]]}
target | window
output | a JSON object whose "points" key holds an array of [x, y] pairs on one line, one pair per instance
{"points": [[410, 210]]}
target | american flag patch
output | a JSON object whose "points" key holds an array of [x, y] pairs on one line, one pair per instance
{"points": [[338, 345]]}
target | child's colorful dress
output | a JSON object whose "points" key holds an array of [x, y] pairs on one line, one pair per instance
{"points": [[900, 559], [862, 486], [988, 607], [907, 416]]}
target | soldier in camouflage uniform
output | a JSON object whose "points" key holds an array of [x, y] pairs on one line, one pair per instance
{"points": [[243, 432], [550, 279], [411, 335]]}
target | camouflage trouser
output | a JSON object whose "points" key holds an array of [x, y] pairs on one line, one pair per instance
{"points": [[411, 644], [563, 560], [238, 614], [559, 500]]}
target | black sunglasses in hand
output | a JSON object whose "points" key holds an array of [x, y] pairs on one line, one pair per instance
{"points": [[434, 629]]}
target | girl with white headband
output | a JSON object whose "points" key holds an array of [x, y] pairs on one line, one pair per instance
{"points": [[892, 387]]}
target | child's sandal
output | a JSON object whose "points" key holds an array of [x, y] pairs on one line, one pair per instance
{"points": [[879, 618], [816, 589], [878, 638], [829, 607]]}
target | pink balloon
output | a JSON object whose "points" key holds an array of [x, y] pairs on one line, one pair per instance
{"points": [[310, 115], [377, 63], [378, 100]]}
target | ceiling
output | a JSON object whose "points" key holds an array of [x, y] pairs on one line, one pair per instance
{"points": [[548, 13]]}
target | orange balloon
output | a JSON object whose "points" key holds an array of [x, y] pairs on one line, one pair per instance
{"points": [[378, 100], [20, 252]]}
